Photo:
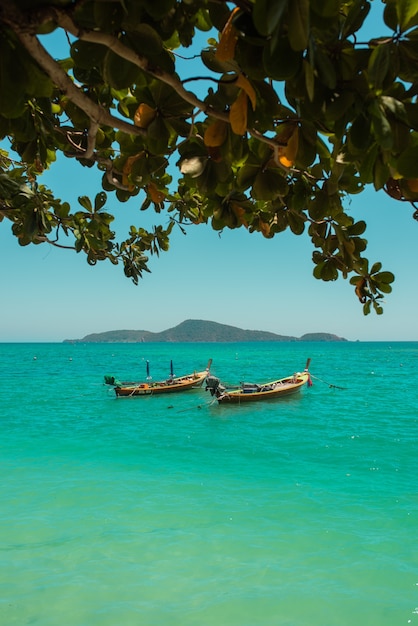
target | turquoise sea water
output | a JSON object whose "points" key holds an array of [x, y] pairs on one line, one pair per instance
{"points": [[177, 511]]}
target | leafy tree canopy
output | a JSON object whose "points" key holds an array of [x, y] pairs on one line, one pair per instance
{"points": [[286, 111]]}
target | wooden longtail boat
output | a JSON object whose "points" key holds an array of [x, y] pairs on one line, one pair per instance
{"points": [[249, 392], [170, 385]]}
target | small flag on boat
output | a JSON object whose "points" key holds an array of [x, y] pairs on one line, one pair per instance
{"points": [[310, 383]]}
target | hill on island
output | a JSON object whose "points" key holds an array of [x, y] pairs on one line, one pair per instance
{"points": [[197, 331]]}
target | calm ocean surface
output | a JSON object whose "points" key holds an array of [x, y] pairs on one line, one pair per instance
{"points": [[176, 511]]}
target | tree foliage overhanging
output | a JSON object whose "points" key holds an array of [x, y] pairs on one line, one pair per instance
{"points": [[286, 111]]}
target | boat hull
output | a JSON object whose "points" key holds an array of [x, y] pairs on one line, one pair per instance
{"points": [[184, 383], [268, 391]]}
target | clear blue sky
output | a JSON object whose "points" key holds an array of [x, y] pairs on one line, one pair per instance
{"points": [[237, 278]]}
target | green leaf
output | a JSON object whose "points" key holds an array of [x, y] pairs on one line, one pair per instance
{"points": [[326, 8], [357, 229], [118, 72], [307, 144], [384, 288], [329, 271], [14, 78], [145, 40], [379, 64], [318, 206], [380, 126], [267, 15], [408, 60], [280, 61], [85, 203], [407, 11], [409, 47], [246, 176], [100, 201], [108, 16], [158, 9], [376, 267], [309, 80], [381, 174], [168, 101], [359, 133], [366, 308], [390, 15], [269, 185], [384, 277], [354, 17], [208, 180], [158, 136], [396, 107], [325, 68], [250, 59], [298, 23], [203, 21], [87, 54], [368, 164], [407, 163], [213, 64], [317, 271], [296, 222]]}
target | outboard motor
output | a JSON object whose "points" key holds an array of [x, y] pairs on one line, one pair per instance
{"points": [[214, 386]]}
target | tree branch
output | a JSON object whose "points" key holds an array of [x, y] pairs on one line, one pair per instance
{"points": [[95, 112], [65, 22], [24, 29]]}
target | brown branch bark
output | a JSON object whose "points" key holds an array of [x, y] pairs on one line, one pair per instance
{"points": [[95, 112]]}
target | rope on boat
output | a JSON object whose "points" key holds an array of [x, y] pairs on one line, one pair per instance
{"points": [[329, 384]]}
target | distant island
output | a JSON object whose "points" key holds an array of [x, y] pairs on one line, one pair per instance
{"points": [[197, 331]]}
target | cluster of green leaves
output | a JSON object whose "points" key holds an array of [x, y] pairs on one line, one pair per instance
{"points": [[38, 217], [292, 111]]}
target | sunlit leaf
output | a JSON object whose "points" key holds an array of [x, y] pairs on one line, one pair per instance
{"points": [[245, 84], [228, 40], [407, 11], [127, 169], [413, 184], [144, 115], [238, 114], [215, 134], [155, 194], [288, 153]]}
